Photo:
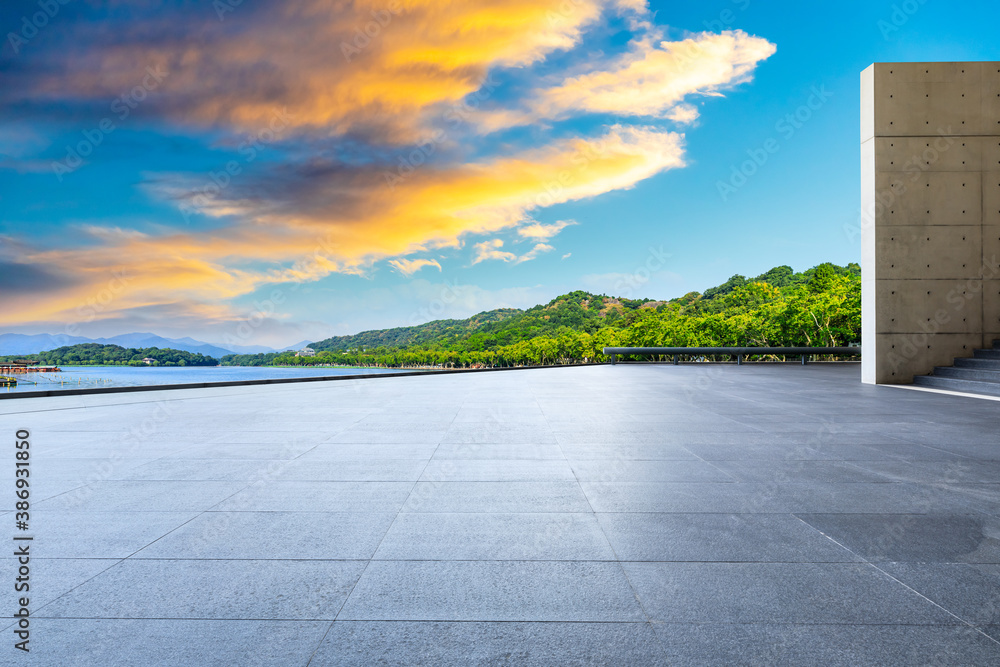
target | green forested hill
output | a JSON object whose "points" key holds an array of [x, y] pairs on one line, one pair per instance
{"points": [[96, 354], [438, 330], [817, 307]]}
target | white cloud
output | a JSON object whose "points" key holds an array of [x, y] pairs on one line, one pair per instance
{"points": [[685, 114], [410, 266], [535, 252], [491, 250], [541, 232], [653, 79]]}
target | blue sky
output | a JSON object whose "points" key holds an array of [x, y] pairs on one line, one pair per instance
{"points": [[414, 175]]}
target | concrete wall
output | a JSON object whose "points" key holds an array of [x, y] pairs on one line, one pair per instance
{"points": [[930, 206]]}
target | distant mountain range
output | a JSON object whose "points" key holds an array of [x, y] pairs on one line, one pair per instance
{"points": [[11, 343]]}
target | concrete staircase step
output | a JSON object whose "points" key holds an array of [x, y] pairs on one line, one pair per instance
{"points": [[954, 384], [987, 354], [978, 374], [982, 364]]}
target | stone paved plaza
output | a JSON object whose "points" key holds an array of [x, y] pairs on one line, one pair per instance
{"points": [[627, 515]]}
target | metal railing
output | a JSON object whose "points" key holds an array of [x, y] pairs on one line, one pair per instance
{"points": [[738, 352]]}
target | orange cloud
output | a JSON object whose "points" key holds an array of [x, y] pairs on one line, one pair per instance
{"points": [[380, 66], [434, 208]]}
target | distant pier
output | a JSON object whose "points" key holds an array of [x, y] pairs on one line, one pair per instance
{"points": [[15, 367]]}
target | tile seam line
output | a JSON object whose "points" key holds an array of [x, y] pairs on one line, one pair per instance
{"points": [[968, 624], [352, 620], [379, 545], [483, 621], [617, 560], [118, 561]]}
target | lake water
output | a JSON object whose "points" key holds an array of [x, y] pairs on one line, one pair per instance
{"points": [[85, 377]]}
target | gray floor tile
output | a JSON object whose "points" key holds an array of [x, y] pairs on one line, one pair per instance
{"points": [[928, 538], [828, 645], [460, 644], [496, 497], [498, 433], [368, 452], [935, 472], [293, 496], [497, 470], [274, 535], [648, 471], [971, 592], [476, 451], [550, 536], [51, 578], [778, 593], [274, 450], [403, 436], [628, 451], [152, 496], [686, 497], [771, 450], [72, 642], [62, 534], [782, 472], [362, 470], [719, 537], [223, 470], [492, 591], [213, 589]]}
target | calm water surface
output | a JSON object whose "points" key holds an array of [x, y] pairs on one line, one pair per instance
{"points": [[74, 377]]}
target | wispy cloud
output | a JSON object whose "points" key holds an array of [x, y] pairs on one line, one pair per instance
{"points": [[654, 79], [312, 57], [410, 266], [543, 232], [491, 250]]}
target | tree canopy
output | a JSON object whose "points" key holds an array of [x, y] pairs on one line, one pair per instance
{"points": [[818, 307], [95, 354]]}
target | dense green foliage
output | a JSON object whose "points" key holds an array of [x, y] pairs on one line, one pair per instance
{"points": [[819, 307], [95, 354]]}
